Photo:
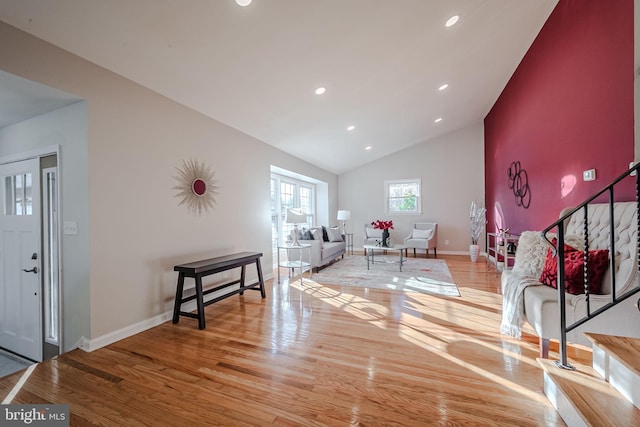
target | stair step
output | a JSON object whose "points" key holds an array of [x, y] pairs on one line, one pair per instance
{"points": [[584, 398], [625, 349], [617, 359]]}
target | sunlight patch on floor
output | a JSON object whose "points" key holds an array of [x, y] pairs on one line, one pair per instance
{"points": [[16, 388], [432, 336]]}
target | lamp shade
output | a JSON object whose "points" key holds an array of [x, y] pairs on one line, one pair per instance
{"points": [[344, 215], [295, 217]]}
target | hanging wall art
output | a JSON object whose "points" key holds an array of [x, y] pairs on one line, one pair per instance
{"points": [[519, 183], [196, 186]]}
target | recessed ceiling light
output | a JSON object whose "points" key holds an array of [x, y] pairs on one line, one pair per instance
{"points": [[351, 127], [320, 90], [438, 120], [368, 147], [451, 21], [243, 3], [443, 87]]}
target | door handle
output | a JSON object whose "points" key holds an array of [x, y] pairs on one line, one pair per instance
{"points": [[34, 270]]}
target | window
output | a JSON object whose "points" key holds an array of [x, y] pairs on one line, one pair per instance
{"points": [[287, 192], [18, 197], [50, 256], [403, 196]]}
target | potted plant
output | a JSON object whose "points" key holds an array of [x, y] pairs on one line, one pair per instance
{"points": [[384, 226], [478, 220]]}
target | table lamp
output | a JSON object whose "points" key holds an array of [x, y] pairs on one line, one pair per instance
{"points": [[295, 217], [344, 216]]}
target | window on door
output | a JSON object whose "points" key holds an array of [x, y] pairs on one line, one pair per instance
{"points": [[18, 195]]}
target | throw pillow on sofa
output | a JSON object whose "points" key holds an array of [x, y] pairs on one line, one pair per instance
{"points": [[574, 269], [325, 234], [334, 234], [317, 234]]}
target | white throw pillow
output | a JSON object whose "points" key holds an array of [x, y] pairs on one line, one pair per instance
{"points": [[421, 234], [374, 233], [316, 233], [334, 234], [531, 253]]}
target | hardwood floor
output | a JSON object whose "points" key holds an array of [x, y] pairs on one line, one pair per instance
{"points": [[316, 355]]}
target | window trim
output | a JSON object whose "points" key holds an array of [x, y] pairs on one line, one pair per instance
{"points": [[390, 182]]}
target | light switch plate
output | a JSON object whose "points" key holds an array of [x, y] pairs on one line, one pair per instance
{"points": [[70, 228], [589, 175]]}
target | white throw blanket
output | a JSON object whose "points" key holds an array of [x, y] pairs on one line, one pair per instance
{"points": [[513, 303], [530, 256]]}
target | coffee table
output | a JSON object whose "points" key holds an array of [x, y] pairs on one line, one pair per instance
{"points": [[370, 251]]}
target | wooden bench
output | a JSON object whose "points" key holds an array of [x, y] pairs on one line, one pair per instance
{"points": [[200, 269]]}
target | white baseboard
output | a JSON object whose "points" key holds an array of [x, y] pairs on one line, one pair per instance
{"points": [[91, 344], [483, 254]]}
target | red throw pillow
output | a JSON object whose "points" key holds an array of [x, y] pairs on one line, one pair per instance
{"points": [[549, 274], [574, 270]]}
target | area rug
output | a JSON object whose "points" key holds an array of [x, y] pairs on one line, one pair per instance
{"points": [[430, 276]]}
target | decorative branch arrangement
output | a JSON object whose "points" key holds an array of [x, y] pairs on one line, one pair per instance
{"points": [[478, 220], [519, 183]]}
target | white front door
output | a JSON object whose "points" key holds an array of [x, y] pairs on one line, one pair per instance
{"points": [[20, 299]]}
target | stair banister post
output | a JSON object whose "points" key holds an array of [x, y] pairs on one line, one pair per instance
{"points": [[562, 363], [612, 245]]}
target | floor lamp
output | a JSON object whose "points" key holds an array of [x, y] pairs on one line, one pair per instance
{"points": [[295, 217], [344, 216]]}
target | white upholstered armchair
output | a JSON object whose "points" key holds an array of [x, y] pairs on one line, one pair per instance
{"points": [[424, 235], [372, 236]]}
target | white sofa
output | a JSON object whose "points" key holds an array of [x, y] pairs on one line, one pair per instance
{"points": [[324, 252], [541, 309]]}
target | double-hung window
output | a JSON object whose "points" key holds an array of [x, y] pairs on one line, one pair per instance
{"points": [[403, 196]]}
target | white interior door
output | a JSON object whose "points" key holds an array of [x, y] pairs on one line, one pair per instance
{"points": [[20, 300]]}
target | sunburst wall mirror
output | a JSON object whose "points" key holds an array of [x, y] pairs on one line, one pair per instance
{"points": [[196, 186]]}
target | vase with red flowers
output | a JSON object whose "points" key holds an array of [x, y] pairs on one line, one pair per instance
{"points": [[384, 226]]}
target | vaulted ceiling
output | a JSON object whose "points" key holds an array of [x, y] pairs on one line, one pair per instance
{"points": [[256, 68]]}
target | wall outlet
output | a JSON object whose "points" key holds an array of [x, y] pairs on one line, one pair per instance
{"points": [[446, 243]]}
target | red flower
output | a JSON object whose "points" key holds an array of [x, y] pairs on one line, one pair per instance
{"points": [[382, 225]]}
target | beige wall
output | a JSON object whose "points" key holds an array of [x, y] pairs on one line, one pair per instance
{"points": [[452, 171], [136, 139]]}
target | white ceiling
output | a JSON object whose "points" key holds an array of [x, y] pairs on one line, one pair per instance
{"points": [[256, 68]]}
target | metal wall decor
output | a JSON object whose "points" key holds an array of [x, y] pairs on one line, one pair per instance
{"points": [[196, 186], [519, 183]]}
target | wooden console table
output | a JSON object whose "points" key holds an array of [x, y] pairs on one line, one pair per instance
{"points": [[200, 269]]}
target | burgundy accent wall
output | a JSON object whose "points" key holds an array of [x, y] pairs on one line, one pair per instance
{"points": [[567, 108]]}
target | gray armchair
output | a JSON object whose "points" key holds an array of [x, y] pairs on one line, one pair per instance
{"points": [[424, 235]]}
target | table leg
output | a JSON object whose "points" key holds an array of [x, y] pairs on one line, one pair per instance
{"points": [[200, 302], [278, 265], [242, 279], [260, 278], [178, 302], [401, 260]]}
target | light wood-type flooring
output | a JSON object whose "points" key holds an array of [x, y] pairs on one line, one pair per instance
{"points": [[314, 355]]}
